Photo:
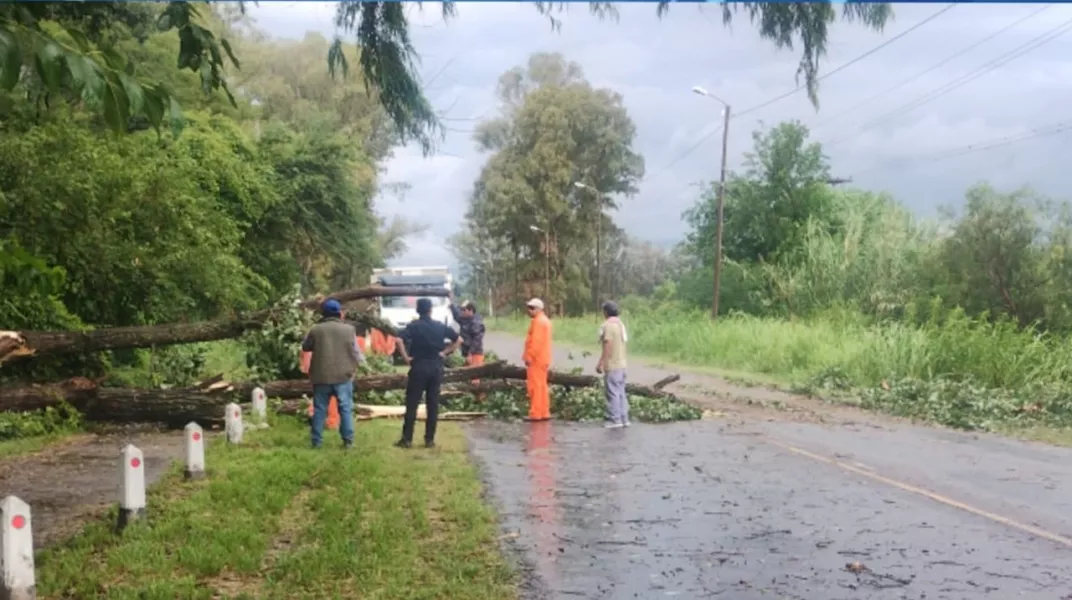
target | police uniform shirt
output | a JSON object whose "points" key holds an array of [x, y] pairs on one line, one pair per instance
{"points": [[425, 338]]}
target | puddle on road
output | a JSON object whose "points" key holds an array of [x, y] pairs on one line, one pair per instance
{"points": [[684, 511]]}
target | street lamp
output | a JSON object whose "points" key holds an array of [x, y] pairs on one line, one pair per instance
{"points": [[599, 238], [547, 261], [721, 195]]}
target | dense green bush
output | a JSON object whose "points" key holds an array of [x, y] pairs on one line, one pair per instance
{"points": [[62, 418]]}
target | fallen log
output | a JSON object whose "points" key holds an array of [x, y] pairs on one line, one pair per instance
{"points": [[375, 383], [576, 380], [665, 381], [22, 344], [151, 405], [177, 407], [374, 411]]}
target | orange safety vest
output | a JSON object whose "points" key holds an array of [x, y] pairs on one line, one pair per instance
{"points": [[382, 343]]}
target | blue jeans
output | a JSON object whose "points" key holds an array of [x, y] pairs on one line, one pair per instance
{"points": [[344, 393]]}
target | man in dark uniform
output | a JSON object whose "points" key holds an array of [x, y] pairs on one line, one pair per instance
{"points": [[424, 346]]}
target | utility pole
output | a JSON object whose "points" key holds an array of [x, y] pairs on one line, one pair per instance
{"points": [[547, 265], [721, 204], [599, 247], [546, 230], [599, 242]]}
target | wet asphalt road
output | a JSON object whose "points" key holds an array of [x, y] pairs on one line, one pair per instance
{"points": [[712, 509]]}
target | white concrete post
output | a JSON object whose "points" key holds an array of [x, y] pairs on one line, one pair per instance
{"points": [[16, 551], [260, 408], [195, 452], [131, 486], [233, 423]]}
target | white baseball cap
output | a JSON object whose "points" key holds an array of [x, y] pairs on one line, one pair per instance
{"points": [[535, 303]]}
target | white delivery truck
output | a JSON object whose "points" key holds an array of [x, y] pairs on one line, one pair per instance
{"points": [[400, 310]]}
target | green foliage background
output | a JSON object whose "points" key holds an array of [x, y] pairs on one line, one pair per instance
{"points": [[257, 197]]}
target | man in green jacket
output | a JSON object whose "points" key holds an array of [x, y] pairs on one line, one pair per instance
{"points": [[335, 358]]}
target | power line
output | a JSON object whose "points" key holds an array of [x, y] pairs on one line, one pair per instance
{"points": [[853, 61], [1001, 60], [982, 146], [942, 62]]}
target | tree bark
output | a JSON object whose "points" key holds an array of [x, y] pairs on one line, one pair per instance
{"points": [[204, 404], [561, 379], [373, 383], [97, 402], [41, 343]]}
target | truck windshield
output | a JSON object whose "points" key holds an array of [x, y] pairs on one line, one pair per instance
{"points": [[409, 302]]}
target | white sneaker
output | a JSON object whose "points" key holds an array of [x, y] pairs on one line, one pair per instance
{"points": [[612, 425], [627, 424]]}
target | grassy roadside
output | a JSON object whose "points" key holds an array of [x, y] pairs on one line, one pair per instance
{"points": [[580, 334], [954, 371], [277, 520]]}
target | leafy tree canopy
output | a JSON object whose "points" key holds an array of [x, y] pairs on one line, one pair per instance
{"points": [[60, 50]]}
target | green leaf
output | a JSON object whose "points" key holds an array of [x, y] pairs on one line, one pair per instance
{"points": [[175, 113], [50, 64], [80, 39], [112, 112], [337, 59], [230, 54], [113, 59], [134, 93], [227, 92], [153, 106], [10, 60], [85, 76]]}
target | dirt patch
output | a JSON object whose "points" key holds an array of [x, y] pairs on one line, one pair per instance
{"points": [[75, 480]]}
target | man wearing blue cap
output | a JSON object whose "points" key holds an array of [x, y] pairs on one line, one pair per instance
{"points": [[424, 346], [335, 358]]}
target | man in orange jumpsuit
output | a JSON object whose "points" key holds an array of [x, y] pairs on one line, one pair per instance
{"points": [[537, 359]]}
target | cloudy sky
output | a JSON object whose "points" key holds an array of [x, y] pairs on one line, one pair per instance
{"points": [[969, 101]]}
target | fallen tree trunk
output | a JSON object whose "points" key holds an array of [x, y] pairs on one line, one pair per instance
{"points": [[572, 380], [23, 344], [375, 383], [364, 412], [99, 403], [177, 407]]}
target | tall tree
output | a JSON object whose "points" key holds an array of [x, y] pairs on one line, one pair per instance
{"points": [[784, 183], [994, 257], [554, 130]]}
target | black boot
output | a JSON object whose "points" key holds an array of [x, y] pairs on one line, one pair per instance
{"points": [[403, 444]]}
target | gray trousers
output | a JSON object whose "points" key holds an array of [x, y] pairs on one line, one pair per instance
{"points": [[617, 401]]}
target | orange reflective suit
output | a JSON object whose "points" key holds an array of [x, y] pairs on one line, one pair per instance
{"points": [[382, 343], [474, 360], [538, 358]]}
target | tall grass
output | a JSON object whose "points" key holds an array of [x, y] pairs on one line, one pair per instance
{"points": [[952, 347]]}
